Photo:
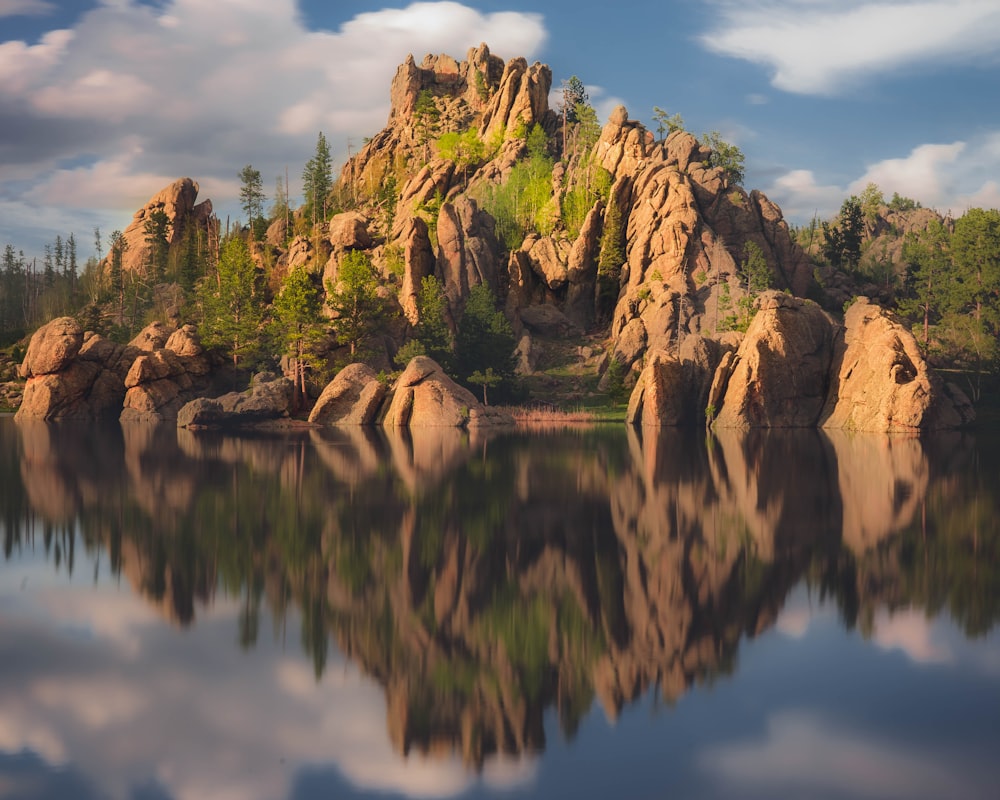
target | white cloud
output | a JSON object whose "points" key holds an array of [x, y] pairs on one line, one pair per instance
{"points": [[802, 754], [824, 46], [25, 8], [800, 196], [201, 89], [949, 177]]}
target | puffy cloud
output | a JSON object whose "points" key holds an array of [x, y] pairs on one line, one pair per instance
{"points": [[201, 89], [948, 177], [801, 196], [823, 46]]}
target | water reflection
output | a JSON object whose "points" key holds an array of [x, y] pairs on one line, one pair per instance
{"points": [[483, 582]]}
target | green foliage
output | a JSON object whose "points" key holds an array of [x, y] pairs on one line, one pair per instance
{"points": [[156, 229], [487, 378], [426, 118], [431, 333], [842, 242], [899, 203], [871, 200], [252, 200], [296, 322], [591, 182], [667, 123], [485, 340], [358, 309], [612, 252], [231, 303], [726, 156], [614, 380], [524, 202], [317, 181], [927, 265], [465, 149]]}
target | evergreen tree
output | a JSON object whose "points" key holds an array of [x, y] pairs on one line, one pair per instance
{"points": [[431, 334], [485, 340], [156, 229], [117, 245], [726, 156], [976, 250], [667, 123], [296, 312], [927, 260], [842, 242], [317, 181], [252, 200], [357, 307], [232, 306]]}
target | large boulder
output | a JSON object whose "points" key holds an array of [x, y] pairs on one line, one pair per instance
{"points": [[52, 348], [424, 396], [72, 375], [780, 374], [881, 381], [171, 370], [353, 397], [268, 400]]}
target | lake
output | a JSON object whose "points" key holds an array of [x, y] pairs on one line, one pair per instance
{"points": [[587, 613]]}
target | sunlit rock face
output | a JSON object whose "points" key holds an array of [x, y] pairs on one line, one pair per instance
{"points": [[779, 376], [881, 382], [84, 376]]}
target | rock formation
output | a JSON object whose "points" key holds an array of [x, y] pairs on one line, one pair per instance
{"points": [[796, 368], [881, 382], [267, 400], [76, 375], [185, 215], [424, 396], [353, 397]]}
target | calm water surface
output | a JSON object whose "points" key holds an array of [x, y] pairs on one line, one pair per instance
{"points": [[582, 614]]}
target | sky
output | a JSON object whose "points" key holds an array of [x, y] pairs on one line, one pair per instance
{"points": [[104, 102]]}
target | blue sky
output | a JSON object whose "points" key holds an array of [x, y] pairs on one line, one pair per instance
{"points": [[103, 103]]}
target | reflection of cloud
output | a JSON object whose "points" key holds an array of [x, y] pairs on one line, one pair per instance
{"points": [[800, 753], [94, 680], [911, 632]]}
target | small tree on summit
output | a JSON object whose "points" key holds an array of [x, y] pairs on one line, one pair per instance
{"points": [[725, 155]]}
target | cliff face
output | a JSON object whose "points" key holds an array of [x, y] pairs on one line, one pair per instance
{"points": [[685, 228]]}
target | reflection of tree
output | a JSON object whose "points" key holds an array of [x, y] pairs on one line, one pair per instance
{"points": [[483, 582]]}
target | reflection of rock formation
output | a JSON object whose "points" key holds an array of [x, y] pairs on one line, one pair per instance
{"points": [[882, 480], [482, 583]]}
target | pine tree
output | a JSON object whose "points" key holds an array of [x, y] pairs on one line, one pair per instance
{"points": [[156, 229], [252, 199], [317, 181], [357, 307], [296, 312], [232, 307], [484, 341]]}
